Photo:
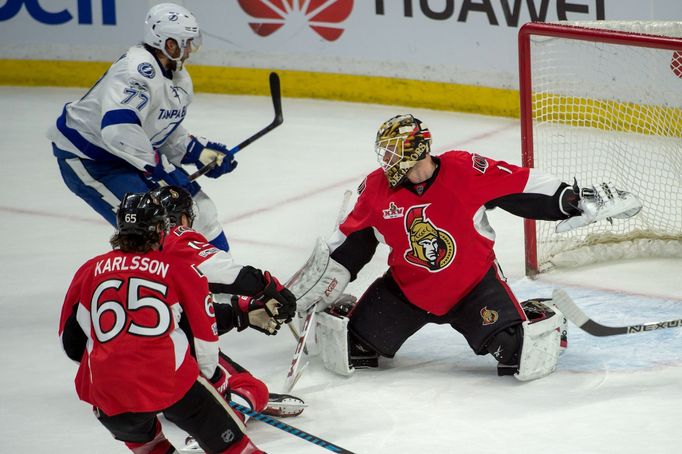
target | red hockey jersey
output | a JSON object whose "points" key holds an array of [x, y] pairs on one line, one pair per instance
{"points": [[137, 359], [441, 244], [192, 247]]}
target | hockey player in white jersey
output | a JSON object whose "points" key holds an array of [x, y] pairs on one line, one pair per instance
{"points": [[125, 134]]}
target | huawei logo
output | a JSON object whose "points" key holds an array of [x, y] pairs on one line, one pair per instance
{"points": [[323, 16]]}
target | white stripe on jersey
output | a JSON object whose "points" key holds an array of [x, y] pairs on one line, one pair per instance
{"points": [[541, 183], [87, 179], [178, 337], [83, 319], [482, 225], [220, 268], [207, 356]]}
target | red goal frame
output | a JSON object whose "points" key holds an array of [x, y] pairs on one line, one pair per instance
{"points": [[525, 92]]}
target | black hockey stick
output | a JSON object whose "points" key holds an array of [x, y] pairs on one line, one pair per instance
{"points": [[566, 305], [289, 429], [278, 120]]}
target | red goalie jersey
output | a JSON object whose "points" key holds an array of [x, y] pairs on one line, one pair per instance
{"points": [[440, 240], [128, 305]]}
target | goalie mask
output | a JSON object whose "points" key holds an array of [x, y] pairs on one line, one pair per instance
{"points": [[400, 143], [170, 21]]}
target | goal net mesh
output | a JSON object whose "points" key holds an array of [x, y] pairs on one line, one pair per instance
{"points": [[611, 112]]}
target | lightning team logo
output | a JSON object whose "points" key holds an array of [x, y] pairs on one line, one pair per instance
{"points": [[430, 247], [322, 16]]}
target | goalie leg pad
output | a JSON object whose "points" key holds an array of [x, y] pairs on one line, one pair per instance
{"points": [[322, 279], [539, 308], [332, 340], [541, 347]]}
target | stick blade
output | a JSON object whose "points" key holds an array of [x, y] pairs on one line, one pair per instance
{"points": [[565, 304], [276, 98]]}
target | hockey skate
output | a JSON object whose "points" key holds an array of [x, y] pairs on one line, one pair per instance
{"points": [[191, 445], [284, 406]]}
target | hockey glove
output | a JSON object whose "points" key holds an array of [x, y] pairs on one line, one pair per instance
{"points": [[596, 203], [286, 301], [166, 172], [202, 152], [220, 380], [258, 313]]}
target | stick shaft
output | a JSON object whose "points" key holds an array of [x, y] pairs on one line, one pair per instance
{"points": [[278, 120], [572, 312], [289, 429]]}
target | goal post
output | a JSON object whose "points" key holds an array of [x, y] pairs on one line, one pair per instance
{"points": [[602, 101]]}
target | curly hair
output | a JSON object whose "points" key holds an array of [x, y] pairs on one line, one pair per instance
{"points": [[135, 243]]}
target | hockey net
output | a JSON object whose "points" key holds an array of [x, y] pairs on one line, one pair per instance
{"points": [[602, 101]]}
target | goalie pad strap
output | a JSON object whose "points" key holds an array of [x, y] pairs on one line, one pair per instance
{"points": [[322, 279], [332, 341], [541, 346]]}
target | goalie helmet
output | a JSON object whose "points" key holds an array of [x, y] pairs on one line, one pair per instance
{"points": [[176, 201], [170, 21], [141, 215], [400, 143]]}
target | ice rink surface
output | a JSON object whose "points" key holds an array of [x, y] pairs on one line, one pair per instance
{"points": [[620, 394]]}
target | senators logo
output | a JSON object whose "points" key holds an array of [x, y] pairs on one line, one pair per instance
{"points": [[430, 247], [323, 16], [489, 316]]}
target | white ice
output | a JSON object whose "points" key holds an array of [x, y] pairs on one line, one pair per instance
{"points": [[618, 394]]}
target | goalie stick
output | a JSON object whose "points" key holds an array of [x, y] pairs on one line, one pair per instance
{"points": [[294, 373], [289, 429], [572, 312], [278, 120]]}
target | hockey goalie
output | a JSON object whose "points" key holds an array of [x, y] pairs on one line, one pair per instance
{"points": [[431, 212]]}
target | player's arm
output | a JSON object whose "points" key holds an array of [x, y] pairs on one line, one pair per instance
{"points": [[353, 251], [226, 276], [125, 112], [72, 336], [125, 109], [353, 242], [197, 306], [175, 145], [545, 197], [181, 147]]}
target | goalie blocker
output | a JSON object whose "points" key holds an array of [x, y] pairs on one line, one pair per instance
{"points": [[321, 280]]}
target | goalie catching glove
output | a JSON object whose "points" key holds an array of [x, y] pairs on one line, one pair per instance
{"points": [[596, 203]]}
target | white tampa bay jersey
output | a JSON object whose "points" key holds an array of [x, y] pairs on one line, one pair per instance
{"points": [[131, 110]]}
